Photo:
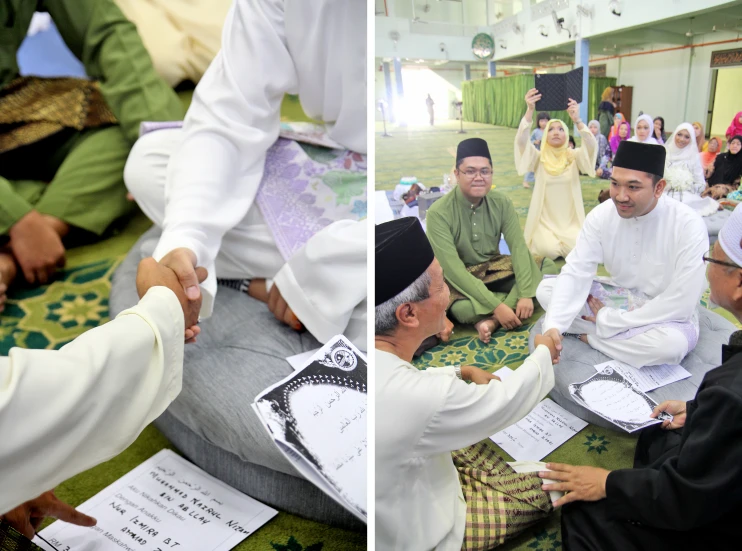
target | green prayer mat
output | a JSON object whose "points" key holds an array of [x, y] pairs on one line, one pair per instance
{"points": [[424, 152]]}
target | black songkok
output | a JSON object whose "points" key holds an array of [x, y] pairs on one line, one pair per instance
{"points": [[403, 253], [472, 147], [645, 157]]}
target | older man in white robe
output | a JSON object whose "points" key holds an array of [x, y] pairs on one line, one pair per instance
{"points": [[652, 247], [62, 412], [428, 494]]}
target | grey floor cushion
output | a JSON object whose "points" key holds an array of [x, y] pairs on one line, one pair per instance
{"points": [[241, 351], [715, 222], [578, 360]]}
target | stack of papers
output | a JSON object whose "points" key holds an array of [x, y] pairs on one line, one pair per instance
{"points": [[317, 418]]}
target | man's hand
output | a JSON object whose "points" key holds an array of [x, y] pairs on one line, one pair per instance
{"points": [[151, 273], [581, 483], [550, 344], [476, 375], [573, 109], [596, 306], [182, 261], [278, 307], [506, 317], [445, 335], [524, 308], [676, 408], [556, 336], [26, 518], [37, 248]]}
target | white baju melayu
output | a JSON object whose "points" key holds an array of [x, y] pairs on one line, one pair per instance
{"points": [[421, 417], [684, 174], [65, 411], [658, 254], [199, 183]]}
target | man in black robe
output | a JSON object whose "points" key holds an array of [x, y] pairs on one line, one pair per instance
{"points": [[685, 490]]}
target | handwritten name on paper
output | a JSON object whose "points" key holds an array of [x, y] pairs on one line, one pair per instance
{"points": [[165, 504]]}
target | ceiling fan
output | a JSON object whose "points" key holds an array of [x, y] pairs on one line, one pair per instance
{"points": [[689, 33]]}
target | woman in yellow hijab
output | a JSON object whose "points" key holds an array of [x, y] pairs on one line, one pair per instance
{"points": [[556, 214]]}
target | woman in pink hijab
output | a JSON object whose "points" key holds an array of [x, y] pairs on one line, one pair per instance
{"points": [[623, 134], [735, 129]]}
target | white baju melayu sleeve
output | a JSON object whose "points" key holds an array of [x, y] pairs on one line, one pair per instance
{"points": [[65, 411], [332, 259], [233, 120], [468, 413], [573, 284], [269, 48]]}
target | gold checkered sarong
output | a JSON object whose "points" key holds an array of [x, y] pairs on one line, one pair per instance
{"points": [[500, 503], [498, 268], [33, 108], [11, 540]]}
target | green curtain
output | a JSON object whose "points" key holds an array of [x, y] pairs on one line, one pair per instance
{"points": [[500, 100]]}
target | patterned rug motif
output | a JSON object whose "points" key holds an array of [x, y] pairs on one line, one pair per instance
{"points": [[425, 152]]}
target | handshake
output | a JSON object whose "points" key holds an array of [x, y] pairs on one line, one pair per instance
{"points": [[178, 272], [151, 273]]}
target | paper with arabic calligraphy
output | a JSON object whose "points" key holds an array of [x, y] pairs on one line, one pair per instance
{"points": [[164, 503], [317, 418]]}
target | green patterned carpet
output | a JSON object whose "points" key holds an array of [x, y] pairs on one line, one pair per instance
{"points": [[424, 152]]}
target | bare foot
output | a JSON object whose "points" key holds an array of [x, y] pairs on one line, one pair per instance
{"points": [[8, 271], [526, 185], [485, 328]]}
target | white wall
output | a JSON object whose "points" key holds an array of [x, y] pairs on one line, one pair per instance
{"points": [[728, 101], [674, 84], [635, 13]]}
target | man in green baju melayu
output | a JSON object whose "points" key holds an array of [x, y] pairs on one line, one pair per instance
{"points": [[488, 289], [63, 141]]}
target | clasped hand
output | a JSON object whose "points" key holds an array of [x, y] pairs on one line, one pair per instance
{"points": [[177, 272]]}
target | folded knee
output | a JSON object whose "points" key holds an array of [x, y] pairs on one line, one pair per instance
{"points": [[543, 292], [143, 166]]}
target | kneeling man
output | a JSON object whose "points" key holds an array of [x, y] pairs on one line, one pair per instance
{"points": [[488, 289], [650, 245], [684, 489], [428, 495]]}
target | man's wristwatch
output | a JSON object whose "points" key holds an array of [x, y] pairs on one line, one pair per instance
{"points": [[457, 370]]}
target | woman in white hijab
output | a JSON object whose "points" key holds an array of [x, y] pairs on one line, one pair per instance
{"points": [[684, 173], [643, 128]]}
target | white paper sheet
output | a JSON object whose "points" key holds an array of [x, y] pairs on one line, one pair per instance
{"points": [[300, 361], [649, 377], [317, 418], [610, 395], [539, 433], [164, 503], [536, 466]]}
